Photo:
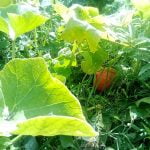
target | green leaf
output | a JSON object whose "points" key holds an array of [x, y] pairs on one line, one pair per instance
{"points": [[82, 12], [76, 10], [66, 142], [93, 61], [62, 11], [59, 77], [18, 19], [66, 58], [143, 100], [25, 23], [32, 102], [79, 31], [141, 112], [144, 73], [83, 24], [76, 30], [98, 22], [4, 26], [4, 141], [63, 63]]}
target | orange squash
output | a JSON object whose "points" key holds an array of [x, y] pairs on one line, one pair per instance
{"points": [[104, 79]]}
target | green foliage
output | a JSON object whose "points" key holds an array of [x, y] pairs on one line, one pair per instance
{"points": [[93, 61], [30, 95], [75, 41], [143, 100], [4, 141], [85, 26], [62, 64]]}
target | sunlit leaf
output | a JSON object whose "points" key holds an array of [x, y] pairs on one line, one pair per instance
{"points": [[59, 77], [62, 11], [19, 20], [98, 22], [76, 10], [142, 6], [3, 26], [79, 31], [26, 22], [82, 12], [32, 102]]}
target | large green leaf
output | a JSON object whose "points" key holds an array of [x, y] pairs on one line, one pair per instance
{"points": [[76, 10], [26, 22], [78, 30], [83, 23], [32, 102], [19, 19]]}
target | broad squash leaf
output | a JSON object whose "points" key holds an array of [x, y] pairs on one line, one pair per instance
{"points": [[26, 22], [19, 19], [83, 13], [32, 102], [74, 30], [80, 30], [83, 23], [76, 10]]}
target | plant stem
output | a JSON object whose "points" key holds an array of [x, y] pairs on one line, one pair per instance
{"points": [[14, 140], [35, 42], [13, 49]]}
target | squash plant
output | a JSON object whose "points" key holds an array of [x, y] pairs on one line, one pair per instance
{"points": [[85, 27], [33, 102]]}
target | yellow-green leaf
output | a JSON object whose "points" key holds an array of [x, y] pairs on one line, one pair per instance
{"points": [[33, 102]]}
